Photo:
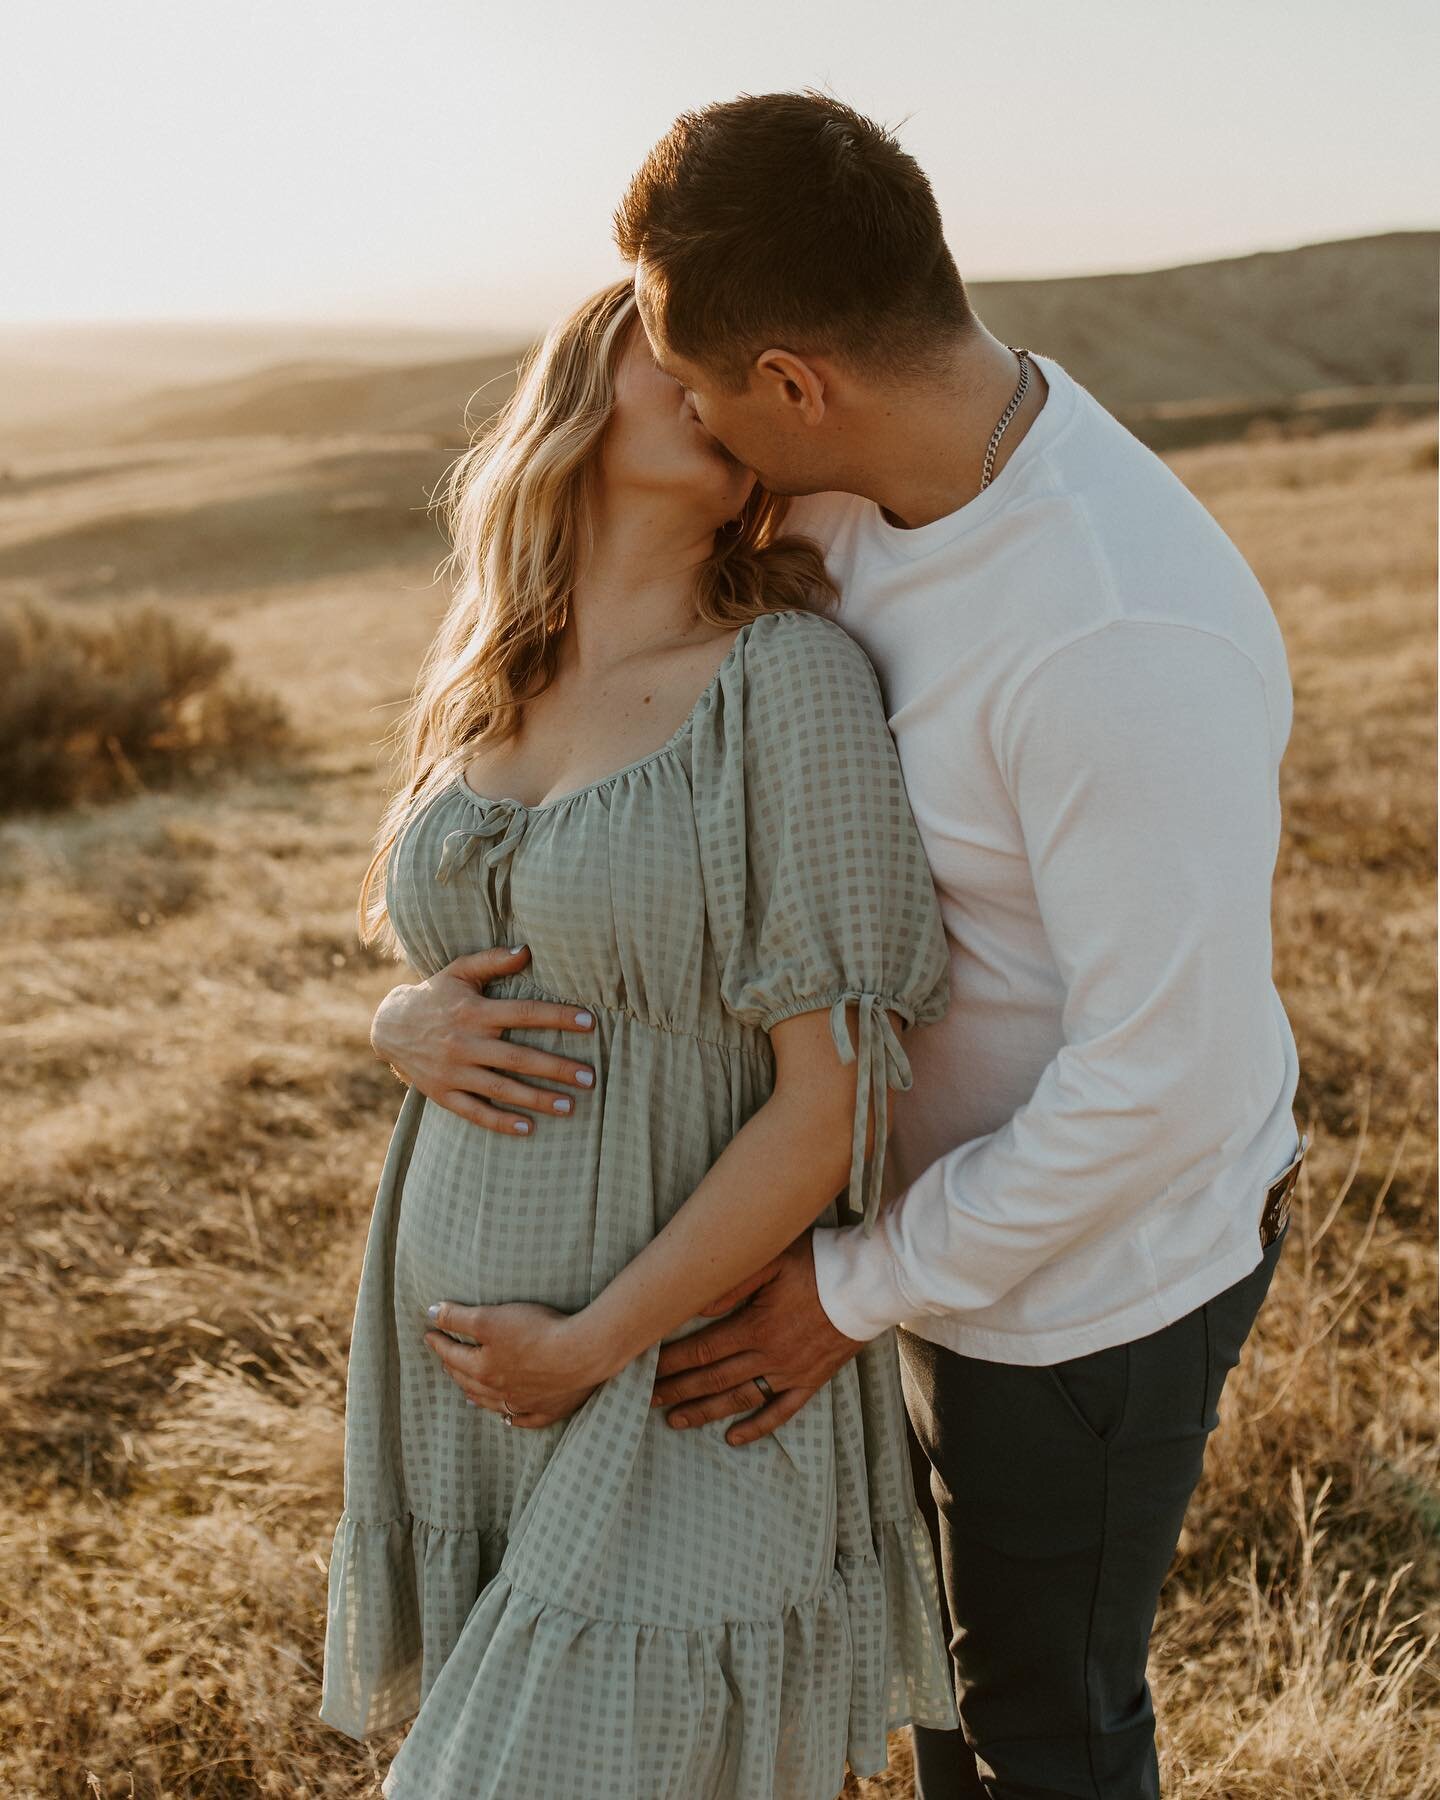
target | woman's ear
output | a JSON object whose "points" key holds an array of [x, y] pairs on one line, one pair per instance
{"points": [[795, 383]]}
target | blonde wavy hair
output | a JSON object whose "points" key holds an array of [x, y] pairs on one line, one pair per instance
{"points": [[516, 507]]}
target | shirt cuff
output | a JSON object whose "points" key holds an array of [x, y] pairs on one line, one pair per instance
{"points": [[855, 1277]]}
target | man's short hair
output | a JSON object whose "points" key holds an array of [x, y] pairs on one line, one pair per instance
{"points": [[792, 220]]}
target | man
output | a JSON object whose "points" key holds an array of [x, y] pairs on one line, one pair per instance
{"points": [[1090, 700]]}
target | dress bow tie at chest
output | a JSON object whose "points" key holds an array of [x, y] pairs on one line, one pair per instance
{"points": [[505, 824]]}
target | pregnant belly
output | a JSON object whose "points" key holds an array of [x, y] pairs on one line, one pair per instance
{"points": [[486, 1217]]}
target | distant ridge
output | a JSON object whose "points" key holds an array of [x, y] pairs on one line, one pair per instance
{"points": [[70, 367], [301, 400], [1360, 312], [1329, 332]]}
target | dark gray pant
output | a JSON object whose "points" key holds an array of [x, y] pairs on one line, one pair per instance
{"points": [[1055, 1498]]}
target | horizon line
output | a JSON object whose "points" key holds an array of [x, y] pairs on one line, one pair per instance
{"points": [[210, 321]]}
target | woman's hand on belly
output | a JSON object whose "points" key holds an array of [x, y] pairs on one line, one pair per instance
{"points": [[529, 1357], [446, 1037]]}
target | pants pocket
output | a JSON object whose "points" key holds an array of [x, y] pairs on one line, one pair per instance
{"points": [[1094, 1389]]}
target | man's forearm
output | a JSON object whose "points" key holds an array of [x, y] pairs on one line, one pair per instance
{"points": [[988, 1213]]}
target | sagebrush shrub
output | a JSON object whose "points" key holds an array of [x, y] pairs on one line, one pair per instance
{"points": [[90, 709]]}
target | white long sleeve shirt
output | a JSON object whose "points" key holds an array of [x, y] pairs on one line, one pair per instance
{"points": [[1089, 696]]}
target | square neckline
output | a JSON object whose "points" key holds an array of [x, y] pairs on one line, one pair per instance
{"points": [[540, 806]]}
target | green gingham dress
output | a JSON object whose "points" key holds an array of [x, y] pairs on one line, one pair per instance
{"points": [[606, 1608]]}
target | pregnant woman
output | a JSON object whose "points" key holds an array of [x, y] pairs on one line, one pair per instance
{"points": [[572, 1599]]}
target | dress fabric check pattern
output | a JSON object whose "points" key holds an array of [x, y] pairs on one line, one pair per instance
{"points": [[607, 1606]]}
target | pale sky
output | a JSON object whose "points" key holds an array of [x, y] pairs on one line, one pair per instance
{"points": [[456, 162]]}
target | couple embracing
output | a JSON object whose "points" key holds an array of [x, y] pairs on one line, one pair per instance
{"points": [[834, 703]]}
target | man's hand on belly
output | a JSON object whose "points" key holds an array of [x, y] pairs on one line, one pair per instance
{"points": [[782, 1333]]}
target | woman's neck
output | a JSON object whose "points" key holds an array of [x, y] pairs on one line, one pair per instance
{"points": [[637, 587]]}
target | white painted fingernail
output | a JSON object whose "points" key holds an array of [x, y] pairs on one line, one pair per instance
{"points": [[522, 1126]]}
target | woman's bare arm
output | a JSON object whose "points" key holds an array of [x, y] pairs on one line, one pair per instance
{"points": [[772, 1180]]}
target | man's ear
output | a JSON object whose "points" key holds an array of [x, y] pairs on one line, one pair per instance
{"points": [[796, 383]]}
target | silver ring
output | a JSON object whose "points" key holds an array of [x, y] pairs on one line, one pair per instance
{"points": [[764, 1387], [509, 1416]]}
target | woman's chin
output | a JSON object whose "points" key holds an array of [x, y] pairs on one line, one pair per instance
{"points": [[730, 460]]}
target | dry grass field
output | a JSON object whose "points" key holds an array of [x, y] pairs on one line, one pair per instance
{"points": [[194, 1122]]}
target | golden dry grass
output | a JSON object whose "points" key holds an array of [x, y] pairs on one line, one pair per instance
{"points": [[194, 1124]]}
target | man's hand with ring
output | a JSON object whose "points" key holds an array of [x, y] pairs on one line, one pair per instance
{"points": [[781, 1338]]}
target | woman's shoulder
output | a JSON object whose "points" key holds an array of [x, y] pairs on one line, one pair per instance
{"points": [[808, 655]]}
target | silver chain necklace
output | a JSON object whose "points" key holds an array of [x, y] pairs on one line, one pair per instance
{"points": [[988, 469]]}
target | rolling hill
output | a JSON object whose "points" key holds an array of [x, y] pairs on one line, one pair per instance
{"points": [[1331, 332], [1358, 313]]}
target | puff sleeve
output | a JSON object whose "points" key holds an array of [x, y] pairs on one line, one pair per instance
{"points": [[838, 902]]}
